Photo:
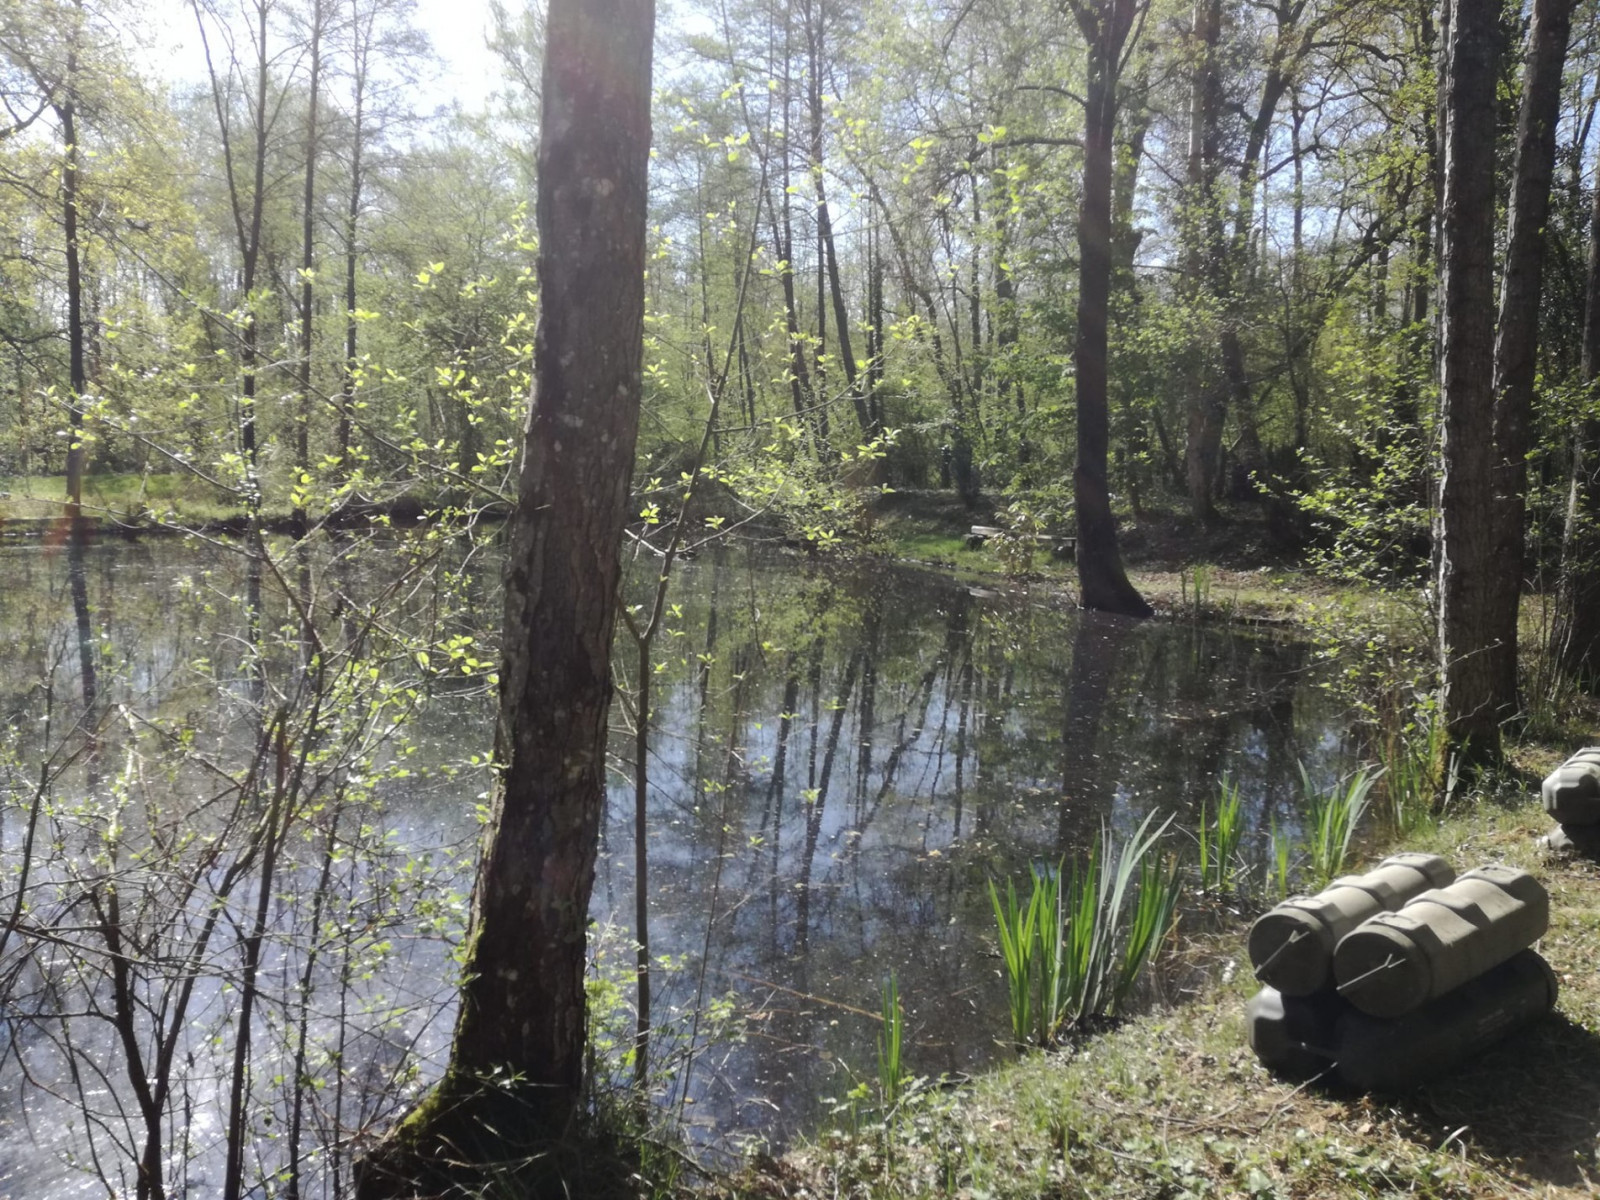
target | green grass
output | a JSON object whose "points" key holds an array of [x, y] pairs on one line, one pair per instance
{"points": [[1173, 1103], [904, 540], [119, 497], [929, 546]]}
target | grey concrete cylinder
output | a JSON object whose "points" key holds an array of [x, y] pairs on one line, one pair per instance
{"points": [[1323, 1034], [1291, 947], [1572, 791], [1398, 961], [1294, 1035], [1375, 1054]]}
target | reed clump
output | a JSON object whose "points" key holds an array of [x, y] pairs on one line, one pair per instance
{"points": [[1077, 949], [1332, 818], [1220, 837]]}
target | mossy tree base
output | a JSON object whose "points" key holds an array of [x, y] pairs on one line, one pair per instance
{"points": [[493, 1138]]}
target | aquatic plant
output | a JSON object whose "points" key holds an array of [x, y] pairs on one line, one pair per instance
{"points": [[1278, 865], [1414, 766], [1219, 841], [1017, 942], [1160, 889], [891, 1066], [1332, 819], [1091, 930], [1200, 575]]}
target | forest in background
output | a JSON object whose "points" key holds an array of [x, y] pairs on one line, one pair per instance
{"points": [[287, 277], [286, 280], [287, 269]]}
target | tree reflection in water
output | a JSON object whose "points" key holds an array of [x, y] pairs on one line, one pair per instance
{"points": [[841, 757]]}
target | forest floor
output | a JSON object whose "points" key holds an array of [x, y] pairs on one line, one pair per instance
{"points": [[1173, 1104], [1231, 570]]}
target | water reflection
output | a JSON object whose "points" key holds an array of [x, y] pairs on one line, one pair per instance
{"points": [[841, 756], [847, 756]]}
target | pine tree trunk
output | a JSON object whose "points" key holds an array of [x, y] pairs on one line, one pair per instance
{"points": [[1517, 336], [1466, 543]]}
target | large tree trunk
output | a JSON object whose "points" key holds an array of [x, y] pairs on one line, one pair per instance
{"points": [[1466, 543], [1517, 337], [1102, 581], [1203, 261], [1575, 634], [522, 1016]]}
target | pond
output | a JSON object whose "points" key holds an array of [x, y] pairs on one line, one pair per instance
{"points": [[842, 756]]}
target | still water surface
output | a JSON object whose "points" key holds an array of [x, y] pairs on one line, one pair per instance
{"points": [[842, 756]]}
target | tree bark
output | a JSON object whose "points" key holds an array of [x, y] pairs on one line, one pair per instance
{"points": [[1219, 260], [308, 262], [248, 220], [520, 1035], [1466, 545], [1203, 259], [1575, 634], [1516, 344], [963, 470], [352, 325], [1101, 579], [78, 377]]}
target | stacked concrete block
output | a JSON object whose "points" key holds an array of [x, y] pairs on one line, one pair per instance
{"points": [[1571, 796], [1409, 982], [1291, 947]]}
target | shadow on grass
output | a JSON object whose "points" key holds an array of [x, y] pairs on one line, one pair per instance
{"points": [[1531, 1101]]}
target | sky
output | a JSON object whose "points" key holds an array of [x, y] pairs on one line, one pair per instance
{"points": [[457, 29]]}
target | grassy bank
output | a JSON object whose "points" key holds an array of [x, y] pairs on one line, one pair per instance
{"points": [[1229, 571], [117, 499], [1173, 1104]]}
